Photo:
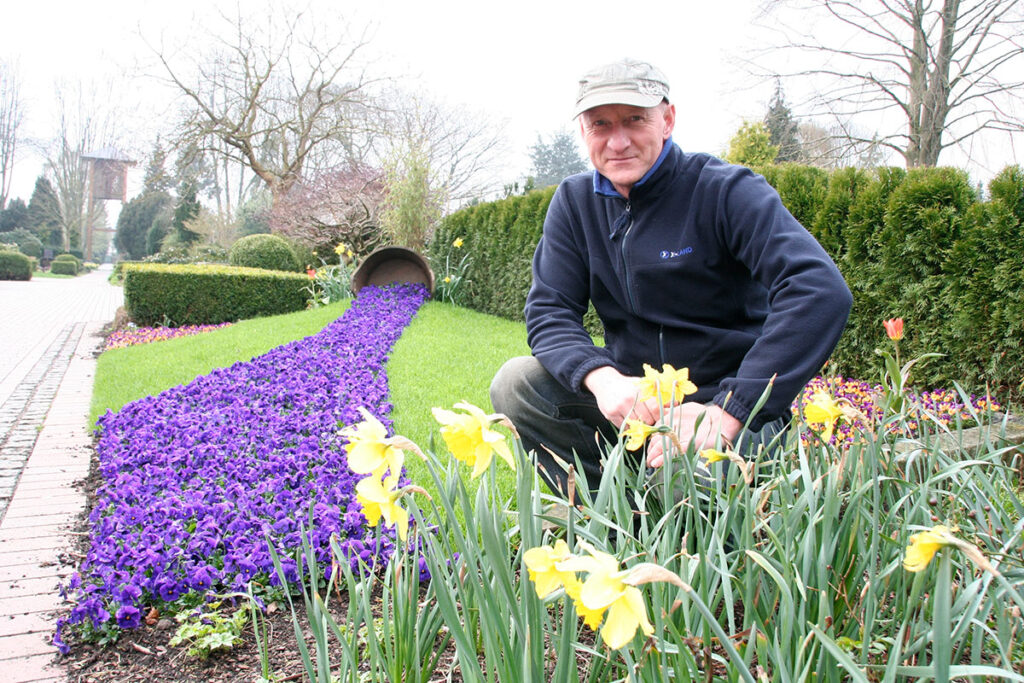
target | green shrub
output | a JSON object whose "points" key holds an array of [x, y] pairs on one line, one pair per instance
{"points": [[158, 294], [64, 267], [27, 243], [15, 266], [208, 253], [268, 252]]}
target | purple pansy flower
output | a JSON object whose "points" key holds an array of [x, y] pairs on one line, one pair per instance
{"points": [[198, 478]]}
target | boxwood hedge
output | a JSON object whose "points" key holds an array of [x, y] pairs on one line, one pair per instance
{"points": [[156, 293]]}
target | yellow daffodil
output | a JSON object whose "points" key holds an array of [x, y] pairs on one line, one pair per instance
{"points": [[636, 434], [713, 455], [447, 278], [670, 386], [378, 498], [605, 591], [542, 565], [924, 545], [340, 249], [457, 243], [369, 449], [823, 410], [470, 438]]}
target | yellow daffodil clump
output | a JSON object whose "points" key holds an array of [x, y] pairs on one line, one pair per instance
{"points": [[608, 598], [372, 452], [670, 386], [470, 438]]}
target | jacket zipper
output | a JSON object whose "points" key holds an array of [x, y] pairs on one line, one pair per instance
{"points": [[625, 265]]}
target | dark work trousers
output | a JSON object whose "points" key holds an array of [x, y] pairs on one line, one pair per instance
{"points": [[552, 419]]}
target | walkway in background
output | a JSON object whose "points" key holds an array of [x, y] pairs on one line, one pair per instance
{"points": [[48, 340]]}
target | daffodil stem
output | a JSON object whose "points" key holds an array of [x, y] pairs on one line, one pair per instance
{"points": [[941, 622]]}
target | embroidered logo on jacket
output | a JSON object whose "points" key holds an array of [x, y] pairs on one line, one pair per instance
{"points": [[666, 254]]}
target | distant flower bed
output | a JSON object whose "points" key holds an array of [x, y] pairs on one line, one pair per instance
{"points": [[197, 479], [945, 406], [143, 335]]}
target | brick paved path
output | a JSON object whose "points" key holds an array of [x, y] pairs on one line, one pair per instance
{"points": [[48, 337]]}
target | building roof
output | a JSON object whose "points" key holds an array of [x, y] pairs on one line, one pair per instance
{"points": [[109, 154]]}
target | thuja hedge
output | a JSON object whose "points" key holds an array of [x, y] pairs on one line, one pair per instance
{"points": [[156, 293], [917, 244]]}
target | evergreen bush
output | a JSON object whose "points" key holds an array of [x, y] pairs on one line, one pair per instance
{"points": [[169, 294], [268, 252], [27, 243], [14, 266], [65, 264]]}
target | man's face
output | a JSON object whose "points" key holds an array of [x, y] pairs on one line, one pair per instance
{"points": [[624, 141]]}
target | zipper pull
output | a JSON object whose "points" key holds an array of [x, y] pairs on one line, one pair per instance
{"points": [[622, 221]]}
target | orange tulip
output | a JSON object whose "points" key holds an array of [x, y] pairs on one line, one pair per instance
{"points": [[894, 328]]}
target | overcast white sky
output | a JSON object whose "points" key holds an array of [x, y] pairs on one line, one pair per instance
{"points": [[515, 61]]}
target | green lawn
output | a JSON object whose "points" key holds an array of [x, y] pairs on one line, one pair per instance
{"points": [[448, 354], [123, 375]]}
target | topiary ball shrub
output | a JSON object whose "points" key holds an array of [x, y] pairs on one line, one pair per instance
{"points": [[268, 252], [15, 266]]}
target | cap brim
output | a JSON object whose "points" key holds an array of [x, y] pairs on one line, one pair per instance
{"points": [[600, 99]]}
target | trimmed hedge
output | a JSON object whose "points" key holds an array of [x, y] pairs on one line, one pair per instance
{"points": [[64, 266], [157, 294], [269, 252], [15, 266], [916, 244]]}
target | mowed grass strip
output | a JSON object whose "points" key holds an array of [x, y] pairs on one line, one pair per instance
{"points": [[448, 354], [124, 375]]}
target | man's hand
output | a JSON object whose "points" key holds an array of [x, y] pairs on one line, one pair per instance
{"points": [[683, 420], [616, 396]]}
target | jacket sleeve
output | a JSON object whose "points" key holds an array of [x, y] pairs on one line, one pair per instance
{"points": [[558, 299], [808, 299]]}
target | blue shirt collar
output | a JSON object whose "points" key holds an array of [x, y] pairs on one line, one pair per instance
{"points": [[603, 186]]}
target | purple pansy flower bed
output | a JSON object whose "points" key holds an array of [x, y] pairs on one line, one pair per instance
{"points": [[197, 478]]}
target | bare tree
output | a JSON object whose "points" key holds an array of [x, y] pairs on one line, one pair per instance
{"points": [[84, 125], [832, 147], [460, 147], [272, 97], [951, 68], [11, 114]]}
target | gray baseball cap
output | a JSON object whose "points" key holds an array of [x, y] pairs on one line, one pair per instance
{"points": [[624, 82]]}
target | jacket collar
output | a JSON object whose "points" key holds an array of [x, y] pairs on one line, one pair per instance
{"points": [[604, 187]]}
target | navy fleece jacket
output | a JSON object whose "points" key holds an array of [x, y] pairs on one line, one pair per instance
{"points": [[701, 268]]}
